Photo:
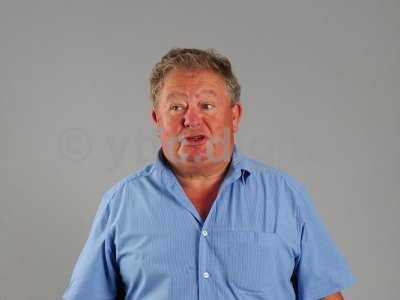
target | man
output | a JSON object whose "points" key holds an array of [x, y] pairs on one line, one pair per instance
{"points": [[204, 221]]}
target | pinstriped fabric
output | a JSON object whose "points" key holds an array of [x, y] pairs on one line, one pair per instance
{"points": [[262, 239]]}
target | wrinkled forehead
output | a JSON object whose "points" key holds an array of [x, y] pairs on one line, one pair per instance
{"points": [[171, 95], [193, 82]]}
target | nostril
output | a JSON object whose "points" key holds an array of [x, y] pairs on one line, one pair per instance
{"points": [[191, 122]]}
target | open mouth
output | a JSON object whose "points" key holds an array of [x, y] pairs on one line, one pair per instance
{"points": [[195, 140]]}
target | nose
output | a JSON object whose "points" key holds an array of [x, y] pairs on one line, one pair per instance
{"points": [[192, 118]]}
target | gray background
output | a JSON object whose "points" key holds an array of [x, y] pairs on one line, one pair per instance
{"points": [[321, 95]]}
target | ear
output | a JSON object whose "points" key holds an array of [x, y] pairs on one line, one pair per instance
{"points": [[236, 115], [154, 117], [155, 120]]}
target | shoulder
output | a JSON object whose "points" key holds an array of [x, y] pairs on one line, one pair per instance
{"points": [[274, 175], [281, 189], [114, 195]]}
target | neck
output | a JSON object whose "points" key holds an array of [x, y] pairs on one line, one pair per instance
{"points": [[202, 180], [200, 175]]}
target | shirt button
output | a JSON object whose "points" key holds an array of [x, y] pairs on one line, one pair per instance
{"points": [[204, 232], [206, 275]]}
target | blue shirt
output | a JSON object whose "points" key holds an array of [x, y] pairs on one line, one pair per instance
{"points": [[262, 239]]}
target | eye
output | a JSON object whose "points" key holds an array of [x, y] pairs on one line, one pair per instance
{"points": [[207, 106], [176, 107]]}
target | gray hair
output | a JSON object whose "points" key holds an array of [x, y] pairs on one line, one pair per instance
{"points": [[188, 59]]}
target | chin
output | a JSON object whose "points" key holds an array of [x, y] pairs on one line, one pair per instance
{"points": [[193, 156]]}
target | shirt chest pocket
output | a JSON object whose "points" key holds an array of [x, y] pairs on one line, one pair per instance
{"points": [[249, 259]]}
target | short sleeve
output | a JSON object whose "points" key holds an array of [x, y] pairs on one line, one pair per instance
{"points": [[95, 275], [320, 269]]}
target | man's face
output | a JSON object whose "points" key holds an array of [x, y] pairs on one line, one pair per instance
{"points": [[195, 119]]}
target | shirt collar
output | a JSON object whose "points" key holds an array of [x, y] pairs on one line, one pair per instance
{"points": [[238, 168]]}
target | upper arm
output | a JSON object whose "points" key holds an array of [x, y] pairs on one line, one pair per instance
{"points": [[95, 274], [320, 269]]}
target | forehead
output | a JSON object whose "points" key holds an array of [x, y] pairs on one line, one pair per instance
{"points": [[193, 81]]}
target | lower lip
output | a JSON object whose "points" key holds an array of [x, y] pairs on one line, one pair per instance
{"points": [[195, 142]]}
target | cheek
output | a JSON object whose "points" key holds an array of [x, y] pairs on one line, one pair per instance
{"points": [[170, 127], [218, 124], [168, 140]]}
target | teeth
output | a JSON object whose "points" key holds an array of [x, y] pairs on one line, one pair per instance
{"points": [[196, 138]]}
